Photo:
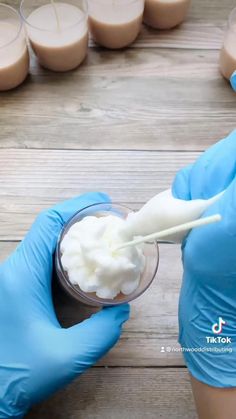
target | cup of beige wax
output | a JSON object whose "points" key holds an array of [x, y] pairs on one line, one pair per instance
{"points": [[165, 14], [14, 57], [115, 24], [57, 32], [228, 50]]}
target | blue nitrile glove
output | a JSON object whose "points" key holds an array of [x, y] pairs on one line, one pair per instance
{"points": [[37, 356], [208, 293], [233, 81]]}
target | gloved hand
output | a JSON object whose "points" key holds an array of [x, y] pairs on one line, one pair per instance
{"points": [[233, 81], [208, 290], [37, 356]]}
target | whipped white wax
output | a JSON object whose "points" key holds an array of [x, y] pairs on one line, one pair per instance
{"points": [[93, 265]]}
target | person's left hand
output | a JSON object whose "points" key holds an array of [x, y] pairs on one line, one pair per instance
{"points": [[38, 356]]}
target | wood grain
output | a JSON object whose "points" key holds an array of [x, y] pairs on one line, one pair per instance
{"points": [[132, 99], [123, 393], [124, 122], [35, 179], [176, 101], [153, 322]]}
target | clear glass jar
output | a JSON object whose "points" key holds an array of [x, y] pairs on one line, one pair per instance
{"points": [[228, 51], [150, 250], [57, 31], [115, 24], [14, 57]]}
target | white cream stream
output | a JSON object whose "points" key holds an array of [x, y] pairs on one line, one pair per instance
{"points": [[164, 211]]}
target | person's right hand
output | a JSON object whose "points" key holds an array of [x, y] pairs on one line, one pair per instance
{"points": [[209, 260]]}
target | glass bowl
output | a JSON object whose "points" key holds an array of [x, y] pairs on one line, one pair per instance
{"points": [[150, 250]]}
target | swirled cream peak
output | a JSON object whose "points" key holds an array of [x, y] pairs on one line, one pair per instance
{"points": [[91, 263]]}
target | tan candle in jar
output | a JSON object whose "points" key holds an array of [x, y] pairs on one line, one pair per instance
{"points": [[14, 57], [115, 23], [228, 51], [58, 32], [165, 14]]}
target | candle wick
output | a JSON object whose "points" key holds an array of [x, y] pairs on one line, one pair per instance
{"points": [[56, 14]]}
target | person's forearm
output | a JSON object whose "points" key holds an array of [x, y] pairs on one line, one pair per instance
{"points": [[214, 402]]}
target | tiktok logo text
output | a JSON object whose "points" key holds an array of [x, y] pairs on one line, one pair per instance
{"points": [[217, 329]]}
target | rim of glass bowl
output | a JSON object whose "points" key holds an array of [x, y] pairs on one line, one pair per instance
{"points": [[24, 18], [93, 300]]}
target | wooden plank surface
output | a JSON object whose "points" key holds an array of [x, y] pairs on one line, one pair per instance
{"points": [[165, 94], [35, 179], [123, 393], [176, 101]]}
